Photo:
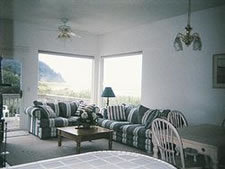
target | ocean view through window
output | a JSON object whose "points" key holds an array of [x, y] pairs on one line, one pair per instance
{"points": [[63, 77], [123, 73]]}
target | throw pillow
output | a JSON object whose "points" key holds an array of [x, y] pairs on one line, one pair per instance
{"points": [[55, 107], [67, 109], [133, 115], [151, 116], [145, 116], [128, 108], [116, 113], [141, 111], [47, 111]]}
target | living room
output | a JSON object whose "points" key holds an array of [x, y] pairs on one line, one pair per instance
{"points": [[176, 80]]}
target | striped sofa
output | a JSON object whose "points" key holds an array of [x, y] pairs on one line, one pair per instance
{"points": [[134, 128], [44, 118]]}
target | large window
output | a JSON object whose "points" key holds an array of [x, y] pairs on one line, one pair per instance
{"points": [[63, 77], [123, 74]]}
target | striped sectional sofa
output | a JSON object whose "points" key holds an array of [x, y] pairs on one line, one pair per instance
{"points": [[44, 118], [131, 124]]}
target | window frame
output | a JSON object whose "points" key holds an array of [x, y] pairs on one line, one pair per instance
{"points": [[101, 67]]}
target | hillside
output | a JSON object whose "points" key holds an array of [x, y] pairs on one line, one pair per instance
{"points": [[48, 74]]}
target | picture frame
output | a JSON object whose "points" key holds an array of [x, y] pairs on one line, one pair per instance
{"points": [[219, 70]]}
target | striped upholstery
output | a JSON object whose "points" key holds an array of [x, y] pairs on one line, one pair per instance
{"points": [[136, 130], [59, 122], [133, 115], [111, 124], [44, 118], [55, 107], [67, 109], [130, 134], [153, 114], [45, 133], [145, 117], [116, 113], [47, 111]]}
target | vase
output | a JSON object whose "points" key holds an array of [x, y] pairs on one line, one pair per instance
{"points": [[86, 126]]}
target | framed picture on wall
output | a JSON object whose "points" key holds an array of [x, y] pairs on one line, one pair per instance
{"points": [[219, 70]]}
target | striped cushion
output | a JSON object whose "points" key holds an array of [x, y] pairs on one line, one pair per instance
{"points": [[141, 112], [128, 108], [111, 124], [133, 116], [146, 116], [153, 114], [67, 109], [47, 111], [55, 107], [116, 113]]}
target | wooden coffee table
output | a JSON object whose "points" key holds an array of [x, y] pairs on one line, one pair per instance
{"points": [[80, 135]]}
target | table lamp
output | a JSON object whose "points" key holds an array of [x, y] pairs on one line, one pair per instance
{"points": [[108, 92]]}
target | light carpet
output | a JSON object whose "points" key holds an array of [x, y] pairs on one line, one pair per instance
{"points": [[29, 148]]}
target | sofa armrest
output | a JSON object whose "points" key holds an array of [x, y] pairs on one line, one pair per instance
{"points": [[34, 111]]}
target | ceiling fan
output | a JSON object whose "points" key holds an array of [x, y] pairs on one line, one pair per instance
{"points": [[65, 31]]}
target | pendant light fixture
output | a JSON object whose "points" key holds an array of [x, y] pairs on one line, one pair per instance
{"points": [[187, 38]]}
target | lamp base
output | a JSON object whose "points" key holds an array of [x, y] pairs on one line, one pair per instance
{"points": [[107, 102]]}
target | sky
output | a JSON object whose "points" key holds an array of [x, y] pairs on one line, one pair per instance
{"points": [[123, 74]]}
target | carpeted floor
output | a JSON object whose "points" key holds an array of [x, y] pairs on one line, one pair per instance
{"points": [[28, 148]]}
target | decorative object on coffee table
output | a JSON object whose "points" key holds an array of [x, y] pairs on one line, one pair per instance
{"points": [[108, 92], [87, 115]]}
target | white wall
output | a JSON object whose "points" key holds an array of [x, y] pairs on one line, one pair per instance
{"points": [[177, 80], [29, 38]]}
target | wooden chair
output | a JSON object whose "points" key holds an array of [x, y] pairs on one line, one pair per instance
{"points": [[168, 141], [177, 119]]}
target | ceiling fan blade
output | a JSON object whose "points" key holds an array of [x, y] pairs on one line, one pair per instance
{"points": [[74, 34]]}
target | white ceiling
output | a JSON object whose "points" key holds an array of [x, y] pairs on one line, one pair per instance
{"points": [[98, 16]]}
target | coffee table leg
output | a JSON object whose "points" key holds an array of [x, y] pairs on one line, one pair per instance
{"points": [[59, 138], [78, 147], [110, 141]]}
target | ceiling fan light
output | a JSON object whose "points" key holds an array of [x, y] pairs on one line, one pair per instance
{"points": [[65, 31]]}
